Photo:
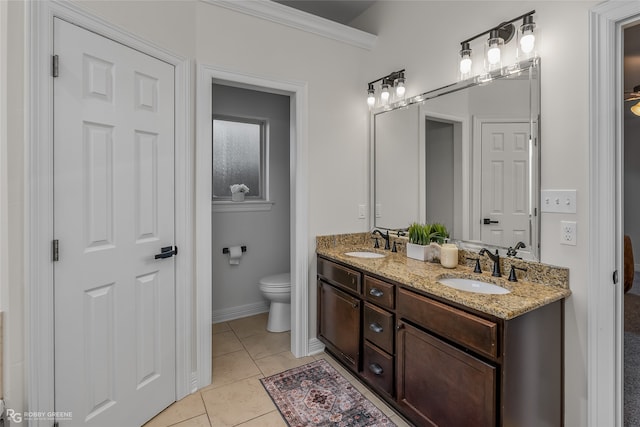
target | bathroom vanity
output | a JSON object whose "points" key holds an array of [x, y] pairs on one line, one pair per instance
{"points": [[438, 355]]}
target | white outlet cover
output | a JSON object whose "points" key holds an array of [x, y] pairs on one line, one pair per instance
{"points": [[568, 231], [559, 201]]}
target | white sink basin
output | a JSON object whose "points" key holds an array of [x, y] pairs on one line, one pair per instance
{"points": [[476, 286], [365, 254]]}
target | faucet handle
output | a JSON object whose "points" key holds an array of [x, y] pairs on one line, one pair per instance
{"points": [[512, 273], [376, 245], [477, 268]]}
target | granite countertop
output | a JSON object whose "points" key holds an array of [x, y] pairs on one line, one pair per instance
{"points": [[525, 296]]}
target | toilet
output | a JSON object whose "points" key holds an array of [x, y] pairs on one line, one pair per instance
{"points": [[277, 289]]}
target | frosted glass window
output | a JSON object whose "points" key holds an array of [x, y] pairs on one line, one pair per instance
{"points": [[238, 147]]}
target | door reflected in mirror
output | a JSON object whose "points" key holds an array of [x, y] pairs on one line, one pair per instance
{"points": [[468, 157]]}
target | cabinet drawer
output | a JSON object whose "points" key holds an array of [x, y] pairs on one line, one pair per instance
{"points": [[377, 368], [340, 275], [471, 331], [378, 327], [379, 292]]}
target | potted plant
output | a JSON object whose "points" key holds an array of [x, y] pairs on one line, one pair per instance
{"points": [[424, 241], [238, 192]]}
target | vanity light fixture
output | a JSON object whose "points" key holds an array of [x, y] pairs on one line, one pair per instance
{"points": [[635, 109], [634, 96], [392, 89], [499, 36]]}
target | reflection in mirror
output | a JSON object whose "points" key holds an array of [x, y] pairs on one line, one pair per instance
{"points": [[468, 157]]}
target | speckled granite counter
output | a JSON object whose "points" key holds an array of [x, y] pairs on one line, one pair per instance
{"points": [[525, 295]]}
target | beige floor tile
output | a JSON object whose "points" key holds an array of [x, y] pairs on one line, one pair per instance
{"points": [[184, 409], [267, 344], [272, 419], [236, 403], [199, 421], [281, 362], [386, 409], [233, 367], [251, 325], [225, 342], [220, 327]]}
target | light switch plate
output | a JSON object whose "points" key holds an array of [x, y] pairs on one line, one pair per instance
{"points": [[561, 201]]}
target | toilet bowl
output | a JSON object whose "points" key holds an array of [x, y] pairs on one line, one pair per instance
{"points": [[277, 289]]}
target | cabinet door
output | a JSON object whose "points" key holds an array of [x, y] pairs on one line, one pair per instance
{"points": [[339, 323], [440, 385]]}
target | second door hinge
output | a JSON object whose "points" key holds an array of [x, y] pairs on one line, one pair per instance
{"points": [[54, 65], [54, 250]]}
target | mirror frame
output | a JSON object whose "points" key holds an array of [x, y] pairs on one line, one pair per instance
{"points": [[528, 66]]}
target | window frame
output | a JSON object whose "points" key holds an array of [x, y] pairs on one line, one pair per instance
{"points": [[262, 195]]}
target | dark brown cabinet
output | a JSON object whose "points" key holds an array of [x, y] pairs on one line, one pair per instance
{"points": [[441, 385], [340, 331], [439, 363]]}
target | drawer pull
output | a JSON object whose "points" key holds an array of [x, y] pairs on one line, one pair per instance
{"points": [[376, 292], [375, 328], [376, 369]]}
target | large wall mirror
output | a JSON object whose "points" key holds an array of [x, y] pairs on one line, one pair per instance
{"points": [[466, 155]]}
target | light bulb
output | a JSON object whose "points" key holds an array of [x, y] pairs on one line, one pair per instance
{"points": [[527, 37], [493, 54], [400, 89], [465, 61], [384, 94], [635, 109], [527, 42], [371, 96]]}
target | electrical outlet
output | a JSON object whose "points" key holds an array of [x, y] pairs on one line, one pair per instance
{"points": [[568, 233], [362, 211]]}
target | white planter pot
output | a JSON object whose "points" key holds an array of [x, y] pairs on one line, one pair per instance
{"points": [[237, 197], [429, 253]]}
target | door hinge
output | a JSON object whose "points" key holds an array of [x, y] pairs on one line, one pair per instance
{"points": [[55, 424], [615, 277], [54, 65], [54, 250]]}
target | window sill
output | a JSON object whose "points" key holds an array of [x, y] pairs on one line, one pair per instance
{"points": [[246, 206]]}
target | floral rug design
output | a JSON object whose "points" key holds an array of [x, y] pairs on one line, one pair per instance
{"points": [[317, 395]]}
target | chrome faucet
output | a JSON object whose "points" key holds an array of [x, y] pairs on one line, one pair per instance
{"points": [[387, 246], [496, 261]]}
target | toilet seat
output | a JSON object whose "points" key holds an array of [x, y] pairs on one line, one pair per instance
{"points": [[282, 280]]}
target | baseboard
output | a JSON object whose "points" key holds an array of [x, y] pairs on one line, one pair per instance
{"points": [[238, 312], [315, 347]]}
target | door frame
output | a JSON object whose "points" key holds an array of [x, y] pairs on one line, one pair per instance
{"points": [[604, 313], [299, 235], [39, 301]]}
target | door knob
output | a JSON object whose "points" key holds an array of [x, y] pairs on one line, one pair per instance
{"points": [[167, 252], [487, 221]]}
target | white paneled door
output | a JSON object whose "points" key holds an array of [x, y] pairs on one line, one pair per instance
{"points": [[505, 184], [113, 213]]}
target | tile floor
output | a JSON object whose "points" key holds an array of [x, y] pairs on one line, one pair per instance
{"points": [[244, 352]]}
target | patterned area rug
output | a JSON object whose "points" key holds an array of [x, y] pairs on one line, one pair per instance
{"points": [[317, 395]]}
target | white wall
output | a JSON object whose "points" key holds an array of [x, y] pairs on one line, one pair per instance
{"points": [[420, 37], [337, 123], [266, 234]]}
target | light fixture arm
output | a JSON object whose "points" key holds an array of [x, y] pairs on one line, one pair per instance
{"points": [[390, 78], [505, 29]]}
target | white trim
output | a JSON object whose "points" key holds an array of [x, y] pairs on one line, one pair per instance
{"points": [[281, 14], [246, 206], [604, 324], [299, 185], [246, 310], [39, 201], [315, 346]]}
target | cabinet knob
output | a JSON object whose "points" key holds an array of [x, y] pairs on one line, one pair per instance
{"points": [[376, 292], [399, 326], [376, 328], [376, 369]]}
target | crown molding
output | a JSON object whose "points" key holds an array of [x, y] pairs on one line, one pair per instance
{"points": [[276, 12]]}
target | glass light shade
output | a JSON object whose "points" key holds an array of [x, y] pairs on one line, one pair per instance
{"points": [[526, 36], [465, 61], [400, 89], [465, 65], [635, 109], [493, 53], [384, 94], [371, 98], [528, 42]]}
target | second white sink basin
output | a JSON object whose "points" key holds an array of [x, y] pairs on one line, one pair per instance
{"points": [[476, 286], [365, 254]]}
